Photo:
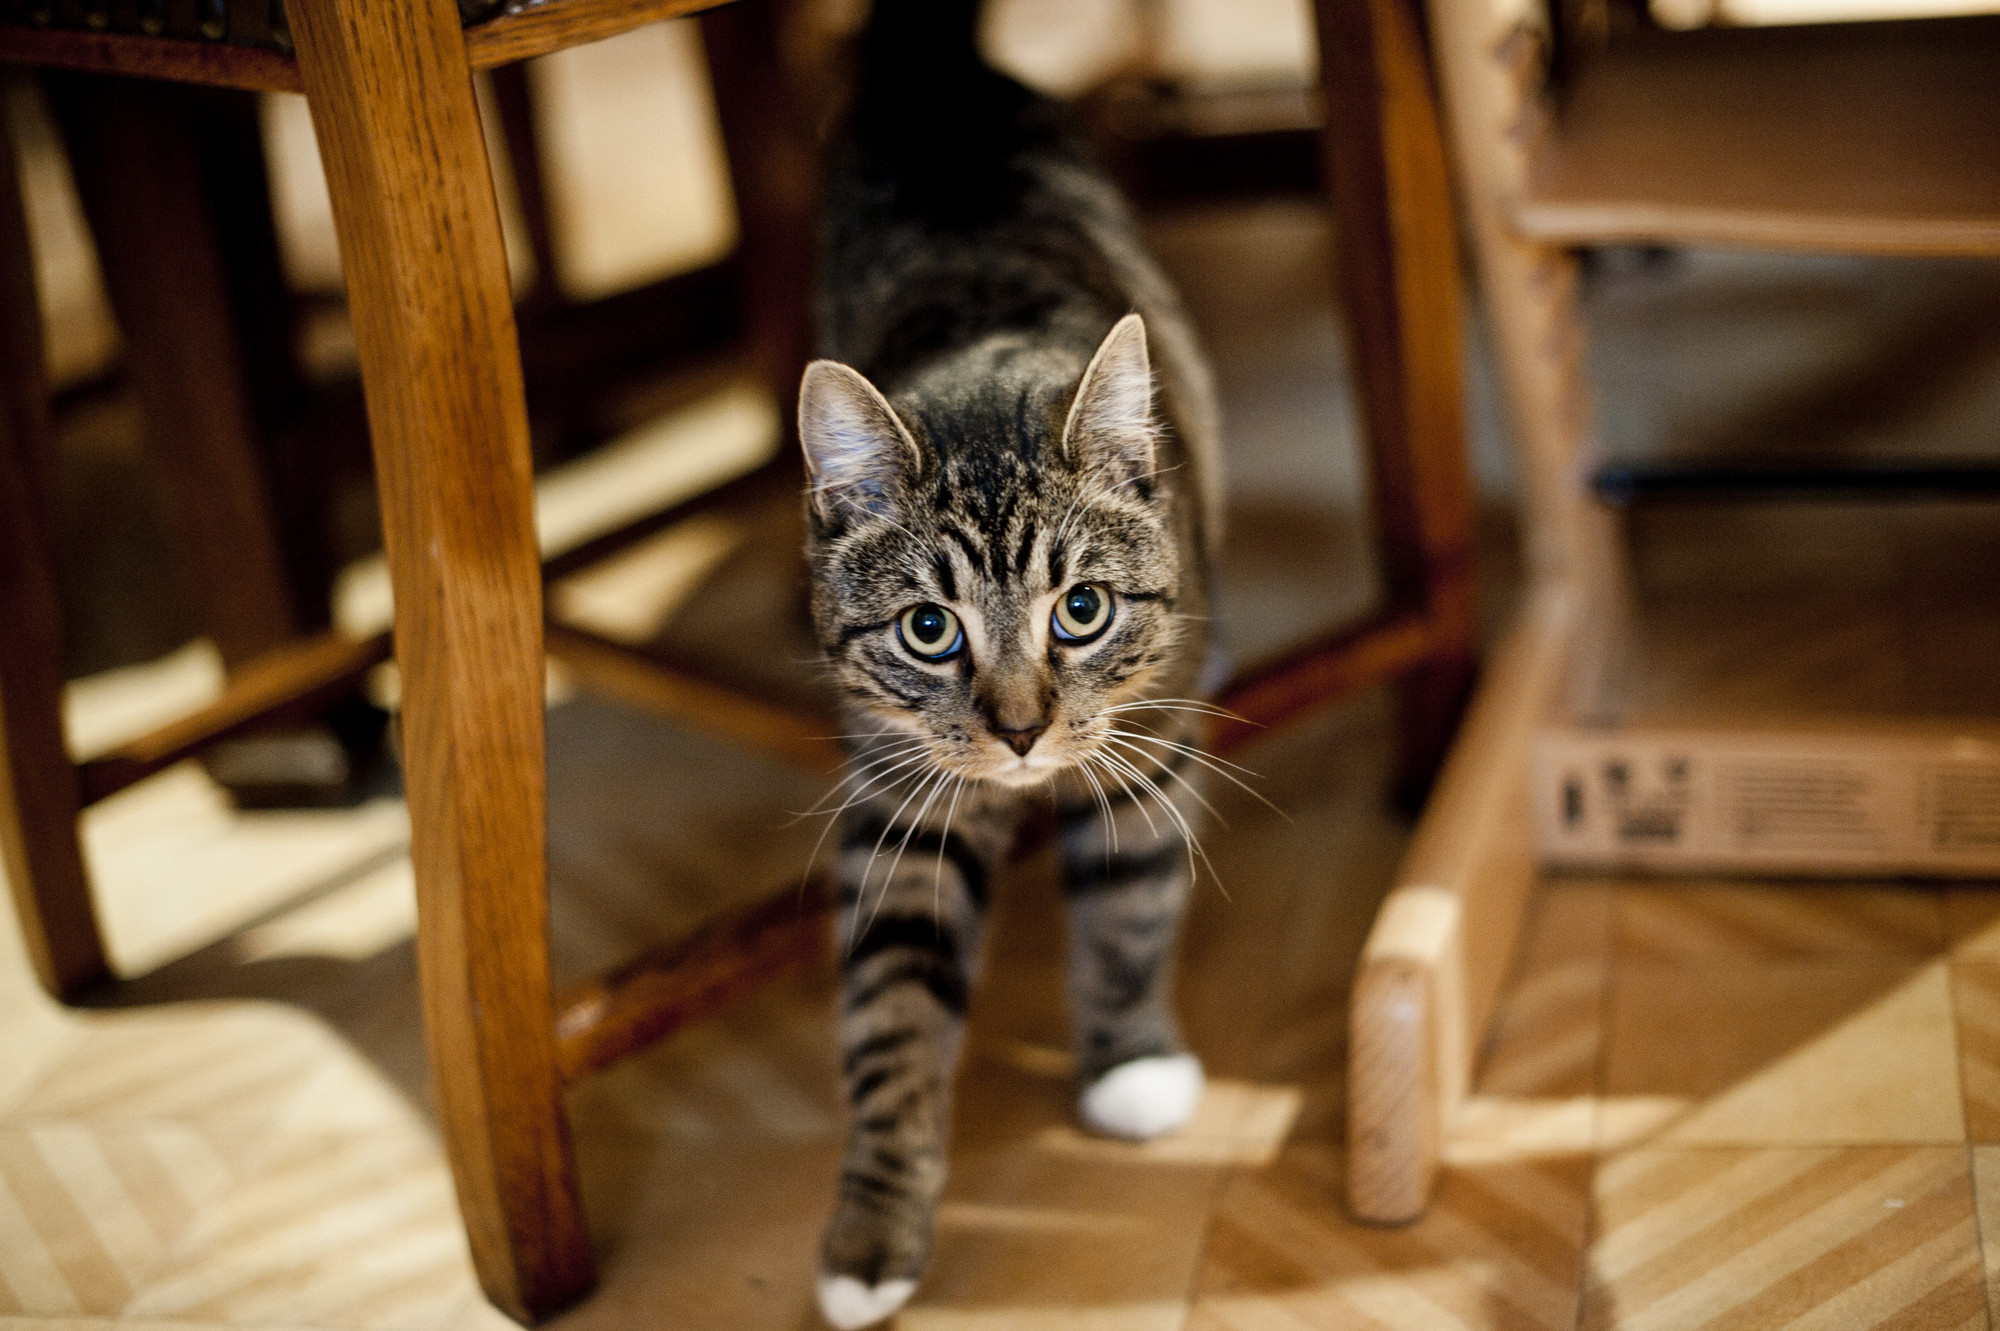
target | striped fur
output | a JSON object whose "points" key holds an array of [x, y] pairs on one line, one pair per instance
{"points": [[989, 432]]}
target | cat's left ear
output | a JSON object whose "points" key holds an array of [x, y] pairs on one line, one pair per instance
{"points": [[1111, 424]]}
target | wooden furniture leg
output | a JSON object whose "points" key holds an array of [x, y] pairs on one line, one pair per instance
{"points": [[43, 859], [138, 173], [774, 172], [298, 473], [1432, 967], [515, 101], [1491, 73], [1431, 970], [393, 109], [1399, 284]]}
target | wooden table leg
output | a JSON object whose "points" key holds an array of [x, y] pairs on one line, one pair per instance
{"points": [[1399, 283], [38, 790], [398, 128]]}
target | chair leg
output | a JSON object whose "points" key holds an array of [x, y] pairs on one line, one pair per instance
{"points": [[38, 792], [1570, 539], [774, 172], [412, 192], [1399, 283], [135, 155], [515, 99]]}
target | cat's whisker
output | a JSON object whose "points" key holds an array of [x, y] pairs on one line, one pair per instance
{"points": [[867, 870], [1155, 737], [1180, 820], [1175, 816], [860, 771], [1213, 764], [875, 757], [1148, 783], [1101, 759], [1189, 786], [1104, 805], [833, 816], [944, 839], [1201, 705], [862, 762], [917, 821], [876, 782], [1088, 491]]}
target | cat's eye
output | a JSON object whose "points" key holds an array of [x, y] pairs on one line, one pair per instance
{"points": [[1082, 613], [930, 632]]}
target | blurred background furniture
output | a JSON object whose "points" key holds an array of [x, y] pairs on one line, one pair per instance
{"points": [[1590, 124], [429, 294], [449, 420]]}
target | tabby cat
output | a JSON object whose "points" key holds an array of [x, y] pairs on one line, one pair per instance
{"points": [[1012, 454]]}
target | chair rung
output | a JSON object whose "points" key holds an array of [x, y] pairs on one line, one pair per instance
{"points": [[523, 32], [602, 1021], [291, 681], [215, 64], [636, 679], [1319, 673]]}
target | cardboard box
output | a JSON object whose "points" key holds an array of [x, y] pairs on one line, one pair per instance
{"points": [[1883, 799]]}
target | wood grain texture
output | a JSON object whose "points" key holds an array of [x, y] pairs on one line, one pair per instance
{"points": [[1432, 968], [1490, 81], [518, 34], [172, 59], [1502, 1248], [1396, 1017], [292, 683], [621, 1013], [530, 30], [1866, 137], [1797, 1236], [38, 793], [398, 128], [1399, 287], [1975, 998]]}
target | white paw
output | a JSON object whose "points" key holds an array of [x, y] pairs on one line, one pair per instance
{"points": [[846, 1303], [1145, 1098]]}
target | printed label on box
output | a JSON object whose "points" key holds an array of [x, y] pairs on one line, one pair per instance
{"points": [[1809, 802]]}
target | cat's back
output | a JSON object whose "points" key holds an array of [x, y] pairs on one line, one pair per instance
{"points": [[963, 209]]}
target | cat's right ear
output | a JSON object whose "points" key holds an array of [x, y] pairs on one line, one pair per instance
{"points": [[856, 449]]}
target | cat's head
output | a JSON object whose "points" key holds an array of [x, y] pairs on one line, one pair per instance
{"points": [[994, 558]]}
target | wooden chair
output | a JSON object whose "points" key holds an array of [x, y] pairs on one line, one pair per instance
{"points": [[391, 93], [1583, 124]]}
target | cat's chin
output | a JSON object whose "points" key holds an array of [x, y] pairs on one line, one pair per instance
{"points": [[1019, 776]]}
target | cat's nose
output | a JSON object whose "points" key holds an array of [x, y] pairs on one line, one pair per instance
{"points": [[1020, 741]]}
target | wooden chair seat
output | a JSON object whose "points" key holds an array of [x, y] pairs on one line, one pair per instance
{"points": [[426, 272], [248, 43]]}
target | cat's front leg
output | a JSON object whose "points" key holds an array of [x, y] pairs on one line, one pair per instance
{"points": [[912, 908], [1126, 875]]}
